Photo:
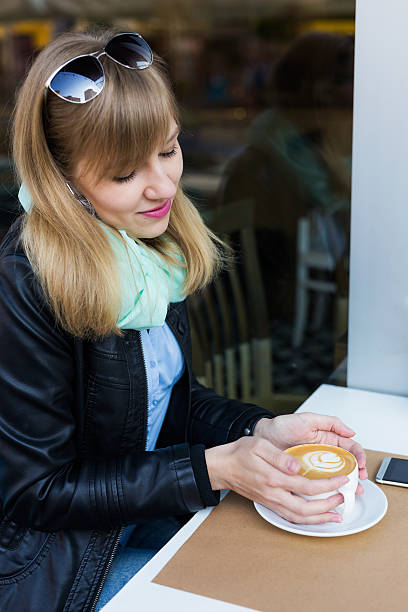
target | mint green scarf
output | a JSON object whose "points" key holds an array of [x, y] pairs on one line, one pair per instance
{"points": [[148, 284]]}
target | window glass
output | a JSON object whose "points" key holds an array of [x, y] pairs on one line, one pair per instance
{"points": [[266, 97]]}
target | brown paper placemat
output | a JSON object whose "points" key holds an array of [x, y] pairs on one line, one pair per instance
{"points": [[237, 556]]}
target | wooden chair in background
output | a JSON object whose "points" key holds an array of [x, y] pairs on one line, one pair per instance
{"points": [[232, 346], [310, 259], [320, 243]]}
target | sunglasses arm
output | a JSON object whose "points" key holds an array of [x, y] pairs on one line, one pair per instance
{"points": [[98, 54]]}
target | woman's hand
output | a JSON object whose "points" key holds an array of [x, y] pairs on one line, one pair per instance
{"points": [[290, 429], [256, 469]]}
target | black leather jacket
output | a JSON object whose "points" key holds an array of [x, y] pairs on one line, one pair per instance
{"points": [[73, 469]]}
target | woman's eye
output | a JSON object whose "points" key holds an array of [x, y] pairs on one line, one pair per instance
{"points": [[125, 179], [169, 153], [129, 177]]}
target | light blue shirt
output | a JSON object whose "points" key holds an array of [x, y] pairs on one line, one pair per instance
{"points": [[164, 364]]}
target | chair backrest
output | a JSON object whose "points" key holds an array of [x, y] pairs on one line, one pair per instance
{"points": [[229, 319]]}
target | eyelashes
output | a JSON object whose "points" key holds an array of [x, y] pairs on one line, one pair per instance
{"points": [[131, 176], [169, 153], [125, 179]]}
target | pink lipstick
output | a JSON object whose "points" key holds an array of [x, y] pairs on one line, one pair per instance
{"points": [[158, 212]]}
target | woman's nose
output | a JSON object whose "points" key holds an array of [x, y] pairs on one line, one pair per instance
{"points": [[159, 185]]}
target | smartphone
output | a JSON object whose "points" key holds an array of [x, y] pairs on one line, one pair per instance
{"points": [[393, 471]]}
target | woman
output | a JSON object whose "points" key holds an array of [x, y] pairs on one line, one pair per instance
{"points": [[105, 434]]}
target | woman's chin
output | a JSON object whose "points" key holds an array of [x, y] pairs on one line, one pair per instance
{"points": [[152, 229]]}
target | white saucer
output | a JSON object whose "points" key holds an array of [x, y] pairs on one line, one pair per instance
{"points": [[370, 508]]}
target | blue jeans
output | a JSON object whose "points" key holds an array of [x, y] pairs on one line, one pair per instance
{"points": [[138, 544]]}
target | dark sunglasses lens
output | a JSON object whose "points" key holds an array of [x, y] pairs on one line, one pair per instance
{"points": [[130, 50], [80, 80]]}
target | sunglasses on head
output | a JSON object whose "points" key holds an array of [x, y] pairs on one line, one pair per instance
{"points": [[82, 78]]}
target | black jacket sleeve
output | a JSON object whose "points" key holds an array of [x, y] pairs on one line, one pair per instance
{"points": [[217, 420]]}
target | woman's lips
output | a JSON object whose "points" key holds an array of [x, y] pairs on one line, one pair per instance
{"points": [[161, 211]]}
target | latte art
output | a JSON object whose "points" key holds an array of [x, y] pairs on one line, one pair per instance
{"points": [[322, 461]]}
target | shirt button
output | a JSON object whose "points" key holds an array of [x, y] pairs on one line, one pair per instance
{"points": [[153, 364], [155, 402]]}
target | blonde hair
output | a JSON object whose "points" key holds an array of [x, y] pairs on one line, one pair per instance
{"points": [[67, 247]]}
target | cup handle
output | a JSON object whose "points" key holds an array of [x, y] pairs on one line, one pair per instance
{"points": [[349, 502]]}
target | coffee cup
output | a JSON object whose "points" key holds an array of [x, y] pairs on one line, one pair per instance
{"points": [[325, 461]]}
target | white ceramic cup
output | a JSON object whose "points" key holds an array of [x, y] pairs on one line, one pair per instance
{"points": [[348, 490]]}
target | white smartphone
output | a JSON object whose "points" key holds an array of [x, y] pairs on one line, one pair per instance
{"points": [[393, 471]]}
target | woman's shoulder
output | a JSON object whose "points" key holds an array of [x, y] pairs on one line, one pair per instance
{"points": [[17, 277], [14, 263], [22, 300], [11, 243]]}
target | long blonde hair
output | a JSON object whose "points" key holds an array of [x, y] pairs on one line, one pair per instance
{"points": [[67, 247]]}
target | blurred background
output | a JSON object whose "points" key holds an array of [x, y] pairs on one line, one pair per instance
{"points": [[266, 96]]}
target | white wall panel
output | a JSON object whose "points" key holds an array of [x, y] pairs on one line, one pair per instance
{"points": [[378, 317]]}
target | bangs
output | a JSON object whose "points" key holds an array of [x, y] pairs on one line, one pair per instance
{"points": [[131, 118]]}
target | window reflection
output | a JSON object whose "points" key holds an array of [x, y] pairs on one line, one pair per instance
{"points": [[266, 100], [297, 164], [291, 162]]}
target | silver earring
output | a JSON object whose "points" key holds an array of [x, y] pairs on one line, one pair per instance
{"points": [[82, 200]]}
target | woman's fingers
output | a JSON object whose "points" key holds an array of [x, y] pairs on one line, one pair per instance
{"points": [[256, 469], [274, 457], [328, 423], [284, 490], [304, 507], [357, 450], [292, 517], [359, 490], [299, 510], [285, 464], [304, 486]]}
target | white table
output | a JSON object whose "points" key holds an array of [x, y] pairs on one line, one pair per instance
{"points": [[380, 422]]}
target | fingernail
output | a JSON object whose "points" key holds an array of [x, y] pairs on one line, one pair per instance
{"points": [[345, 480], [337, 518], [293, 466]]}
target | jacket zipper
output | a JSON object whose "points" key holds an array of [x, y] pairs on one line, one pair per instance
{"points": [[107, 568], [147, 390], [117, 540], [189, 375], [116, 544]]}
